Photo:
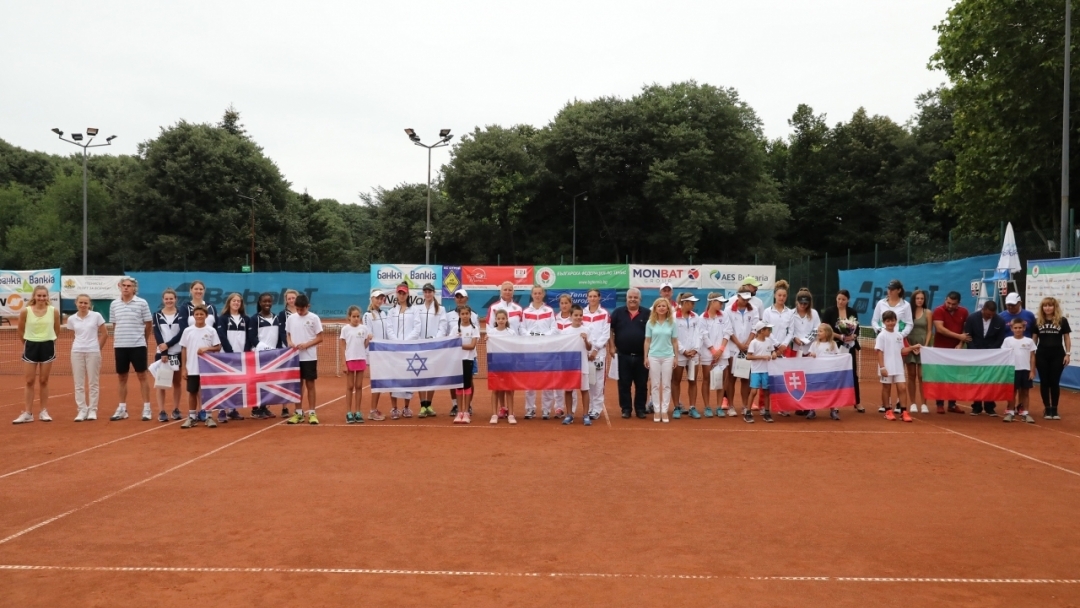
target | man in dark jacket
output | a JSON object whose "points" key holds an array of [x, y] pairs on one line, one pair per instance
{"points": [[987, 330]]}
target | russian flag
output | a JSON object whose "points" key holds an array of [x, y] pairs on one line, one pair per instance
{"points": [[811, 383], [517, 363]]}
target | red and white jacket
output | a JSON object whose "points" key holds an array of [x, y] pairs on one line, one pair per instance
{"points": [[513, 314], [562, 322], [599, 325], [538, 321]]}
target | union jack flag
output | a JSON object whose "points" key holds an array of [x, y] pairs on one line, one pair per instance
{"points": [[251, 379]]}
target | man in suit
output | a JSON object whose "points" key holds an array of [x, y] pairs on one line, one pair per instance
{"points": [[987, 330]]}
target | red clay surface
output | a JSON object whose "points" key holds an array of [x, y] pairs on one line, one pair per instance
{"points": [[626, 513]]}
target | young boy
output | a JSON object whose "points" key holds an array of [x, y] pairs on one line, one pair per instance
{"points": [[891, 347], [1024, 361], [303, 331], [759, 352], [196, 340], [575, 327]]}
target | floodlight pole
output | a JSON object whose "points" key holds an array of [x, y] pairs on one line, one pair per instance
{"points": [[258, 191], [1064, 235], [108, 142], [573, 253], [445, 141]]}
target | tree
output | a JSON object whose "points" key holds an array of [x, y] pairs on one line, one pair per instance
{"points": [[1004, 59]]}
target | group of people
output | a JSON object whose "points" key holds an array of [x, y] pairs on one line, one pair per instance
{"points": [[650, 350]]}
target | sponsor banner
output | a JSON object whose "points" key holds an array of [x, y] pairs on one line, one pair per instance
{"points": [[451, 280], [387, 277], [17, 287], [728, 276], [1057, 279], [608, 298], [599, 276], [492, 277], [652, 276], [867, 285], [330, 293], [98, 287]]}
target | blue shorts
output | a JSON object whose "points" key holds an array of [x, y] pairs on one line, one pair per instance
{"points": [[759, 380]]}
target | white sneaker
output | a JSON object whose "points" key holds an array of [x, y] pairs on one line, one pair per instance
{"points": [[511, 419], [81, 416], [91, 414], [148, 415], [121, 413], [494, 419], [914, 409], [44, 416], [925, 409], [23, 418]]}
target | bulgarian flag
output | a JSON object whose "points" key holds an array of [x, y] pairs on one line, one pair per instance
{"points": [[950, 374]]}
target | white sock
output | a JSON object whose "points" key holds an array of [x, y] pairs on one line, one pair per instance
{"points": [[455, 402], [193, 414], [146, 404], [123, 406]]}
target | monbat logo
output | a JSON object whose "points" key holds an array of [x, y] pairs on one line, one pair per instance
{"points": [[692, 274], [659, 273]]}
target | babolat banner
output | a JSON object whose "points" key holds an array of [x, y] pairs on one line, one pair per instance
{"points": [[388, 276], [17, 287], [867, 285], [330, 293], [598, 276]]}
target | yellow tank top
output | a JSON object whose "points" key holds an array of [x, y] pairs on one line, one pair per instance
{"points": [[40, 329]]}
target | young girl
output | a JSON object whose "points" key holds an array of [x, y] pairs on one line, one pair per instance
{"points": [[780, 316], [198, 338], [470, 337], [501, 403], [169, 327], [401, 326], [686, 330], [597, 322], [197, 289], [576, 327], [379, 326], [804, 322], [232, 328], [90, 338], [538, 319], [921, 324], [713, 332], [825, 346], [563, 319], [1054, 340], [661, 344], [742, 319], [282, 318], [356, 338], [39, 324], [268, 333], [427, 319], [759, 352]]}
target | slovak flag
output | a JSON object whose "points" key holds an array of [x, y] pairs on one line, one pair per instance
{"points": [[517, 363], [249, 379], [811, 383], [415, 365]]}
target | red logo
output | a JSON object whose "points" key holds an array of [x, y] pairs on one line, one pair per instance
{"points": [[795, 382], [693, 274]]}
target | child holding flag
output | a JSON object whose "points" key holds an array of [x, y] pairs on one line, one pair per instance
{"points": [[1024, 360], [470, 337], [303, 331], [759, 352], [824, 346], [197, 339], [576, 327], [356, 337], [502, 402]]}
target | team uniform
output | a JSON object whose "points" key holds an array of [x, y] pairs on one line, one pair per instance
{"points": [[782, 333], [598, 324], [805, 328], [378, 323], [269, 331], [400, 325], [759, 368], [427, 321], [538, 322], [168, 329], [189, 317], [513, 315], [712, 331], [450, 322], [742, 327], [356, 350], [687, 332], [755, 301], [304, 328], [233, 330], [890, 343], [562, 323]]}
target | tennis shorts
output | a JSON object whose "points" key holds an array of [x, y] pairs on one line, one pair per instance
{"points": [[309, 370], [133, 357], [39, 352]]}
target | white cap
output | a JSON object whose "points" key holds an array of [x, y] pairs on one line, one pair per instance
{"points": [[376, 293], [665, 285], [746, 295], [461, 292], [760, 325], [719, 298], [689, 298], [1012, 298]]}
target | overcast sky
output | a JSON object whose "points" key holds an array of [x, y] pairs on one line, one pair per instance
{"points": [[327, 87]]}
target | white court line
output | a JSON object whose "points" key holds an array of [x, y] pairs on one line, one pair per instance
{"points": [[51, 397], [147, 480], [100, 445], [539, 575], [1047, 427], [1005, 449], [775, 430], [484, 425]]}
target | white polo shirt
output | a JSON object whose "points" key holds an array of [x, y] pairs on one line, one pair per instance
{"points": [[129, 321]]}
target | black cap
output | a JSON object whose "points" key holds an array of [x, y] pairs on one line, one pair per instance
{"points": [[896, 284], [429, 287]]}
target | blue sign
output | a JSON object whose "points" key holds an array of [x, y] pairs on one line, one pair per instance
{"points": [[608, 298], [867, 285], [330, 294]]}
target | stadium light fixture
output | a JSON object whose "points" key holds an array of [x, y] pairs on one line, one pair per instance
{"points": [[444, 140], [77, 139]]}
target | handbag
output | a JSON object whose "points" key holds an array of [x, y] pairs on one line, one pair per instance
{"points": [[163, 374], [741, 368], [613, 368], [716, 378]]}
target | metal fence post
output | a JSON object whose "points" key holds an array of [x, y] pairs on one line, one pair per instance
{"points": [[825, 283], [875, 255], [909, 250]]}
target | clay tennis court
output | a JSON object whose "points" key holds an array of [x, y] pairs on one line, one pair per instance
{"points": [[947, 511]]}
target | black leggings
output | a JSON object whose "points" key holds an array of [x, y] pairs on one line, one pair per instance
{"points": [[1050, 364]]}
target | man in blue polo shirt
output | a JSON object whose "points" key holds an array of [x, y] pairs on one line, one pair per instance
{"points": [[1014, 309], [628, 342]]}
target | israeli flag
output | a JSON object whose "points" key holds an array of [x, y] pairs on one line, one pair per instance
{"points": [[415, 365]]}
